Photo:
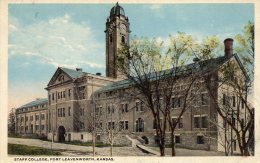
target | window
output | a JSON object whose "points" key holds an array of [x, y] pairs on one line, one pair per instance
{"points": [[31, 118], [196, 122], [42, 116], [110, 38], [234, 101], [113, 108], [204, 99], [69, 110], [98, 137], [64, 94], [82, 110], [108, 109], [173, 102], [63, 112], [234, 145], [37, 117], [36, 127], [233, 120], [52, 96], [137, 106], [139, 125], [113, 125], [69, 92], [121, 125], [181, 123], [177, 139], [204, 123], [224, 99], [81, 136], [224, 123], [26, 118], [123, 39], [124, 108], [42, 127], [200, 140], [142, 106], [126, 125], [82, 125]]}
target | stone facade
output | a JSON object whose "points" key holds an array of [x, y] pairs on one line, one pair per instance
{"points": [[32, 118]]}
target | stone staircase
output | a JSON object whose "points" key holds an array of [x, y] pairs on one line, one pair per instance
{"points": [[138, 142]]}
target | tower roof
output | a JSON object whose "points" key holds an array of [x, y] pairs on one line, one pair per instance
{"points": [[117, 10]]}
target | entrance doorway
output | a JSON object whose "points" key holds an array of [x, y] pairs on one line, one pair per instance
{"points": [[61, 132]]}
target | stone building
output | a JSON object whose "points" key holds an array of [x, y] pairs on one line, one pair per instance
{"points": [[81, 104], [32, 118]]}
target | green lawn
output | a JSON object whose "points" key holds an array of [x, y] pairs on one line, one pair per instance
{"points": [[17, 149]]}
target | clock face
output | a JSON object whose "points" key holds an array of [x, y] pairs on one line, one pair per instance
{"points": [[122, 26]]}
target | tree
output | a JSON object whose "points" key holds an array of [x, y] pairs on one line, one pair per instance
{"points": [[246, 47], [11, 122], [154, 69]]}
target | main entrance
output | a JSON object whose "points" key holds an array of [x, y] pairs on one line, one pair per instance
{"points": [[61, 132]]}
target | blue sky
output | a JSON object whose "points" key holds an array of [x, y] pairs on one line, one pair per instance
{"points": [[45, 36]]}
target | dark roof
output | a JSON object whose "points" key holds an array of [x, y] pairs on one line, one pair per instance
{"points": [[35, 103], [73, 73], [117, 10], [181, 71]]}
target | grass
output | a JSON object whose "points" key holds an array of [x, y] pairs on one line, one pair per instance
{"points": [[17, 149], [32, 136], [98, 144]]}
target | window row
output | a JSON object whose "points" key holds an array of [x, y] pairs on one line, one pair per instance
{"points": [[37, 118], [62, 112], [232, 101], [59, 95]]}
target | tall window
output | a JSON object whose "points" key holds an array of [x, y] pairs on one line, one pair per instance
{"points": [[69, 111], [137, 106], [196, 122], [123, 39], [124, 108], [224, 99], [204, 122], [69, 92], [139, 125], [234, 101], [110, 38]]}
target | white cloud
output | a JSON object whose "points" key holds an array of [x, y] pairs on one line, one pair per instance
{"points": [[58, 41], [157, 10]]}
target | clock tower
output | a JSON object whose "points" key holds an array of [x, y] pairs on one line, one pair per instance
{"points": [[117, 33]]}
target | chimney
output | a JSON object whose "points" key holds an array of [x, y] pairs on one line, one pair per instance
{"points": [[228, 43], [78, 69]]}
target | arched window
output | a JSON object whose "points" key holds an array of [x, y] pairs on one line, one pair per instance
{"points": [[123, 39], [139, 125]]}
